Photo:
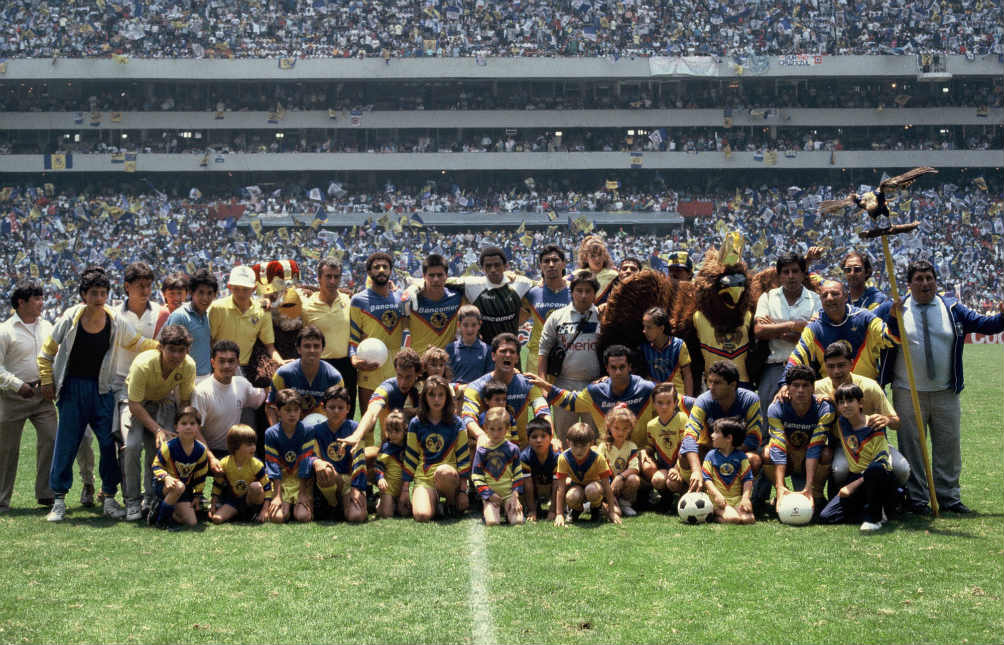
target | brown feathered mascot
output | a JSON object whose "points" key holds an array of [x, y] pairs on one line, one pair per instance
{"points": [[277, 283]]}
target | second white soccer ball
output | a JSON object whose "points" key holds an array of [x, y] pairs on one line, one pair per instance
{"points": [[372, 350], [794, 508]]}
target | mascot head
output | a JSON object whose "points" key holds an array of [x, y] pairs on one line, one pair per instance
{"points": [[722, 283], [277, 280]]}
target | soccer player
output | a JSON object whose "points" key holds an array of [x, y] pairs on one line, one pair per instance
{"points": [[799, 428], [396, 393], [432, 311], [241, 487], [437, 458], [522, 393], [328, 310], [338, 468], [837, 359], [308, 375], [666, 356], [539, 461], [727, 474], [542, 300], [389, 466], [376, 312], [871, 487], [180, 470], [583, 476], [724, 398], [498, 294], [287, 446], [498, 473], [663, 469]]}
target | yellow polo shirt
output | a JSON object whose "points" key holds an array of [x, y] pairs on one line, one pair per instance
{"points": [[227, 322], [145, 382], [332, 320], [874, 401]]}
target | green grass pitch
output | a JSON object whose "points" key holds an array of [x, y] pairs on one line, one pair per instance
{"points": [[651, 580]]}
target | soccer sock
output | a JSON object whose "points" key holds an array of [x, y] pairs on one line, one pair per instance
{"points": [[164, 513]]}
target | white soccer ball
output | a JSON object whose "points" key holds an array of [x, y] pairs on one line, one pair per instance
{"points": [[372, 350], [694, 508], [795, 508]]}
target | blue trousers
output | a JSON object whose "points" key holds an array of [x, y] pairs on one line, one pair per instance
{"points": [[877, 492], [81, 405]]}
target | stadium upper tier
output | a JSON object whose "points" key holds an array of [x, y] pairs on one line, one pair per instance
{"points": [[459, 28]]}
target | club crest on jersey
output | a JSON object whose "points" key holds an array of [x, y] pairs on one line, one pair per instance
{"points": [[728, 340], [254, 320], [727, 468], [620, 464], [434, 443], [240, 487], [494, 464], [290, 456], [853, 443], [437, 320], [184, 470], [389, 318], [336, 450], [799, 438]]}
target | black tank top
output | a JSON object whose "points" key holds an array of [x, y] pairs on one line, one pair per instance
{"points": [[88, 352]]}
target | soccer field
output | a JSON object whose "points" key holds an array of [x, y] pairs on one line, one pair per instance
{"points": [[651, 580]]}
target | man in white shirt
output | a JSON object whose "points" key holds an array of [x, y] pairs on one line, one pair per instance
{"points": [[780, 316], [21, 339], [220, 399]]}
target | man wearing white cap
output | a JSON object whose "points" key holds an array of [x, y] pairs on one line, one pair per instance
{"points": [[240, 319]]}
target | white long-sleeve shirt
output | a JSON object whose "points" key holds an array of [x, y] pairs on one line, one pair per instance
{"points": [[20, 344]]}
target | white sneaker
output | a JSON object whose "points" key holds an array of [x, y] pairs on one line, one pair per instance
{"points": [[113, 509], [587, 507], [867, 527], [58, 512], [626, 509], [133, 510]]}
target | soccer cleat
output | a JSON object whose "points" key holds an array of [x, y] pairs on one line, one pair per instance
{"points": [[113, 510], [58, 512], [626, 509], [87, 495], [868, 527], [133, 510]]}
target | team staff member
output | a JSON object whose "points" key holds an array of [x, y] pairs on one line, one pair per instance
{"points": [[498, 294], [21, 338], [857, 269], [328, 310], [240, 319], [76, 365]]}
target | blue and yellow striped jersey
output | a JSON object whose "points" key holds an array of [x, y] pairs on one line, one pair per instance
{"points": [[541, 302], [728, 473], [498, 469], [234, 481], [792, 433], [597, 399], [311, 392], [863, 446], [189, 468], [324, 445], [665, 438], [430, 444], [284, 454], [706, 411], [866, 332], [521, 397], [434, 322], [593, 468], [374, 316], [390, 465]]}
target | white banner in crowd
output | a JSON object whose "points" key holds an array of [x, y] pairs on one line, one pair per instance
{"points": [[683, 66]]}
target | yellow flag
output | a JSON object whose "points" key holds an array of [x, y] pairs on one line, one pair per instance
{"points": [[283, 233], [527, 240], [33, 270], [56, 282], [256, 226]]}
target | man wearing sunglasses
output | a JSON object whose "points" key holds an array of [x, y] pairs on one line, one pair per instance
{"points": [[857, 268]]}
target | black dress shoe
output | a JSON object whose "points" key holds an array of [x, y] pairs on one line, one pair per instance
{"points": [[46, 501], [957, 507], [921, 508]]}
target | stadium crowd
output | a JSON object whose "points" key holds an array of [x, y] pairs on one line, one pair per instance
{"points": [[55, 233], [484, 28]]}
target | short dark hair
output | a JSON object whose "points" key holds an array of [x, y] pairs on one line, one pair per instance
{"points": [[538, 423], [379, 255], [726, 369], [919, 266], [493, 388], [25, 290], [848, 392], [225, 346], [176, 280], [584, 276], [658, 316], [406, 358], [326, 262], [310, 331], [138, 271], [799, 373], [491, 251], [548, 250], [336, 392], [731, 427], [175, 335], [664, 388], [790, 258], [434, 260], [94, 277], [504, 338], [837, 348], [614, 351], [866, 261], [632, 259], [203, 277], [287, 396], [187, 411]]}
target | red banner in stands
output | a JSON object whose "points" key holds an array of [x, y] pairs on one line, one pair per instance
{"points": [[696, 208], [224, 210], [980, 339]]}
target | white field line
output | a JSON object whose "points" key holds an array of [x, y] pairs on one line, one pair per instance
{"points": [[483, 627]]}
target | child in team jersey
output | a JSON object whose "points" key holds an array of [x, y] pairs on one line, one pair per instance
{"points": [[388, 467], [665, 432], [539, 461], [242, 487], [179, 471], [339, 469], [728, 477], [495, 396], [622, 456], [582, 475], [498, 473], [287, 446]]}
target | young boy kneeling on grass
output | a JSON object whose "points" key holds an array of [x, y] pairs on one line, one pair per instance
{"points": [[539, 461], [583, 475], [339, 469], [498, 473], [871, 486], [728, 477], [242, 487], [287, 445], [179, 471]]}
